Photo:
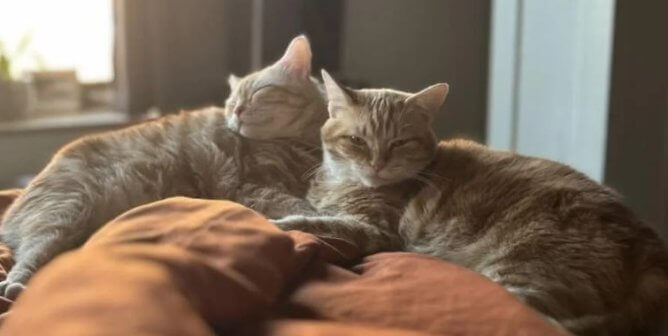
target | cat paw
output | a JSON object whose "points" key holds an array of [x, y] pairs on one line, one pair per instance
{"points": [[13, 285], [293, 222], [11, 290]]}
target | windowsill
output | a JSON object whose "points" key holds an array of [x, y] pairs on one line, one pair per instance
{"points": [[89, 119]]}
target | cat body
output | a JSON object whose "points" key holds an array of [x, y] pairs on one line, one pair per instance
{"points": [[557, 240], [254, 151], [561, 242]]}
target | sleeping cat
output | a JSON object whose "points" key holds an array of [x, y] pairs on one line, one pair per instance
{"points": [[255, 152], [559, 241]]}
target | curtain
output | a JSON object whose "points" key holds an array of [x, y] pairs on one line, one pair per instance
{"points": [[174, 54]]}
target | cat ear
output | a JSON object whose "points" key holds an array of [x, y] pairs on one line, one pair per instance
{"points": [[431, 98], [337, 97], [297, 58], [233, 81]]}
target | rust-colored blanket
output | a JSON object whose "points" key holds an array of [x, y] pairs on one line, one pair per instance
{"points": [[199, 267]]}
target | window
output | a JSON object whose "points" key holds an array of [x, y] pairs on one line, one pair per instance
{"points": [[61, 52]]}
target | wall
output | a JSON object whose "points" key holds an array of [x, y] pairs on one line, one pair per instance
{"points": [[637, 152], [409, 45], [28, 152]]}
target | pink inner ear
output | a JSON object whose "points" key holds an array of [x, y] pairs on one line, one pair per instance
{"points": [[299, 70], [297, 58], [431, 98]]}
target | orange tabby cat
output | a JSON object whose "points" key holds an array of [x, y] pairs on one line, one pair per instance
{"points": [[559, 241], [254, 151]]}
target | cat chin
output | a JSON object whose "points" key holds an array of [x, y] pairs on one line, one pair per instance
{"points": [[233, 124], [254, 132]]}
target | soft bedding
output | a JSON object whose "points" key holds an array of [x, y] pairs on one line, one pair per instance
{"points": [[202, 267]]}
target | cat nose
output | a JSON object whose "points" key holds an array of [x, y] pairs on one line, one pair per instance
{"points": [[239, 109], [377, 165]]}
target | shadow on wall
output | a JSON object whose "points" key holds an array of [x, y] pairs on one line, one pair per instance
{"points": [[408, 47], [26, 153]]}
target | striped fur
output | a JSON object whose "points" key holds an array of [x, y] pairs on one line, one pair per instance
{"points": [[551, 236], [198, 154]]}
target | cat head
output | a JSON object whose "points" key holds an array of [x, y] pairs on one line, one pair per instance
{"points": [[379, 136], [280, 101]]}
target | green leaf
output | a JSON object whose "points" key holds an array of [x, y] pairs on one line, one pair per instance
{"points": [[5, 68]]}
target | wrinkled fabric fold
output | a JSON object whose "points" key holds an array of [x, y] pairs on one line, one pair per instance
{"points": [[201, 267]]}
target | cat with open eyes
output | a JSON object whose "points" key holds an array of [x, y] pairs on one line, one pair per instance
{"points": [[255, 152], [559, 241]]}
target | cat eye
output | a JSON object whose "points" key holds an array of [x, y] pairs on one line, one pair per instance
{"points": [[355, 140], [271, 94], [402, 142]]}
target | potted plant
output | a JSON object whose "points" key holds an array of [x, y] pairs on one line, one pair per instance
{"points": [[15, 94]]}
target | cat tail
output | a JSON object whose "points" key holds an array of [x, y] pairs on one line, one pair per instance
{"points": [[645, 309]]}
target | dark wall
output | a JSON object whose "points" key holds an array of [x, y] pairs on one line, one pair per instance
{"points": [[409, 45], [30, 150], [637, 154], [175, 54], [320, 20]]}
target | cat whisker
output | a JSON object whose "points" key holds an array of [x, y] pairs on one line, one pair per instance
{"points": [[426, 181], [311, 150], [308, 174]]}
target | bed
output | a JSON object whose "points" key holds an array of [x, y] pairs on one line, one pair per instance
{"points": [[185, 266]]}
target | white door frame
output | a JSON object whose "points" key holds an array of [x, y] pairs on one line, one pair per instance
{"points": [[550, 63]]}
